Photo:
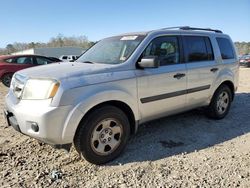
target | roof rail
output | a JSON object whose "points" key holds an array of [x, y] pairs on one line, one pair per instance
{"points": [[201, 29], [193, 28]]}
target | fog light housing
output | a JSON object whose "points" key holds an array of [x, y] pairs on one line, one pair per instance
{"points": [[35, 127]]}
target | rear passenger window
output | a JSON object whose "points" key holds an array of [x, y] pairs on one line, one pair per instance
{"points": [[24, 60], [226, 48], [198, 48]]}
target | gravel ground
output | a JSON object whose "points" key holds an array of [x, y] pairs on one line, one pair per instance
{"points": [[186, 150]]}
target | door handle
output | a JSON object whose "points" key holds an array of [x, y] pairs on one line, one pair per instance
{"points": [[214, 69], [179, 75]]}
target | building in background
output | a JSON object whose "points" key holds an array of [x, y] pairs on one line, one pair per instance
{"points": [[52, 52]]}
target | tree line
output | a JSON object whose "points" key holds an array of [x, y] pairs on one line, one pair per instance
{"points": [[82, 41], [243, 47], [59, 41]]}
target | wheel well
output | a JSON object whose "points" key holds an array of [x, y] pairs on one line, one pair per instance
{"points": [[5, 74], [231, 87], [121, 105]]}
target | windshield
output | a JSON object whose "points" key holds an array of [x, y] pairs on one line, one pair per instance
{"points": [[112, 50]]}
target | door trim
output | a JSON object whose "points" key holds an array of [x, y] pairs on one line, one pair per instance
{"points": [[173, 94]]}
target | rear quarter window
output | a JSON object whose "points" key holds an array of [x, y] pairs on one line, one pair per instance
{"points": [[226, 48], [10, 60]]}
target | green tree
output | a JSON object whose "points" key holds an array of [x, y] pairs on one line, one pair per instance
{"points": [[10, 48]]}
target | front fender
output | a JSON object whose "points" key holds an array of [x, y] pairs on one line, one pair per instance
{"points": [[91, 101]]}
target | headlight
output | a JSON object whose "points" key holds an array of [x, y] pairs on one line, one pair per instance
{"points": [[40, 89]]}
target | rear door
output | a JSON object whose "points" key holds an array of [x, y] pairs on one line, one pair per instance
{"points": [[202, 69], [160, 90]]}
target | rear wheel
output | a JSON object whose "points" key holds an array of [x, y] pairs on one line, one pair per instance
{"points": [[220, 103], [6, 79], [102, 135]]}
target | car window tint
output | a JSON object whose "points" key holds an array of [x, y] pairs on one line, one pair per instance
{"points": [[64, 57], [226, 48], [198, 48], [24, 60], [165, 48], [10, 60], [42, 61], [210, 52]]}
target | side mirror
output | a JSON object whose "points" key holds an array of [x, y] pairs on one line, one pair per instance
{"points": [[149, 62]]}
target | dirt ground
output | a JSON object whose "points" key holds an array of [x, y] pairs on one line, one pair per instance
{"points": [[186, 150]]}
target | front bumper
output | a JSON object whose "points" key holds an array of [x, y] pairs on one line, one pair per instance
{"points": [[245, 64], [23, 115], [11, 120]]}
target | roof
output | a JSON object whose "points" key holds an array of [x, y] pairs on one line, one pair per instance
{"points": [[177, 30], [11, 56]]}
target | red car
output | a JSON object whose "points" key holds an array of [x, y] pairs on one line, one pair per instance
{"points": [[9, 64], [245, 61]]}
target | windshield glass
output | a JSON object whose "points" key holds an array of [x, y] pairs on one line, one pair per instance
{"points": [[112, 50]]}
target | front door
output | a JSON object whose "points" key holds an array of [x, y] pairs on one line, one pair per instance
{"points": [[162, 90]]}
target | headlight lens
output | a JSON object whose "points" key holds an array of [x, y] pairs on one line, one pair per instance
{"points": [[40, 89]]}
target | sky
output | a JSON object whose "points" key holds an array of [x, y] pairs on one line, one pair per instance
{"points": [[39, 21]]}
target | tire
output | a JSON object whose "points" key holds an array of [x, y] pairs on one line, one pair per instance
{"points": [[6, 79], [220, 103], [102, 135]]}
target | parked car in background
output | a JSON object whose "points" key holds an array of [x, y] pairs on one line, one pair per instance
{"points": [[245, 61], [9, 64], [68, 58]]}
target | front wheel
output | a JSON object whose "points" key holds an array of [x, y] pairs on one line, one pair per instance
{"points": [[220, 103], [6, 79], [102, 135]]}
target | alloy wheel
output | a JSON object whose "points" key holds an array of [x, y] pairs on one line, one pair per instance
{"points": [[106, 136]]}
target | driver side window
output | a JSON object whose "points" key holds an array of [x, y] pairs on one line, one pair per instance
{"points": [[165, 48]]}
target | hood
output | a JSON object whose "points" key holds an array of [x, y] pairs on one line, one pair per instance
{"points": [[64, 70]]}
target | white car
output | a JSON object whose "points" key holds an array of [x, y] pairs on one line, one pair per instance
{"points": [[69, 58], [120, 83]]}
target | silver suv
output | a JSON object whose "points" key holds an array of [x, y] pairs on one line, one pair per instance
{"points": [[121, 82]]}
